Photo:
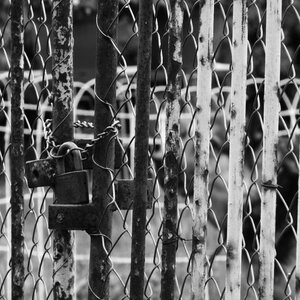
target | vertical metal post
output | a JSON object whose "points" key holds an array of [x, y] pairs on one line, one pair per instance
{"points": [[270, 141], [236, 151], [297, 271], [171, 166], [202, 140], [17, 150], [62, 91], [105, 102], [141, 151]]}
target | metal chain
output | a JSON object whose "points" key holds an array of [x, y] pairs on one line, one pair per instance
{"points": [[83, 124], [113, 128]]}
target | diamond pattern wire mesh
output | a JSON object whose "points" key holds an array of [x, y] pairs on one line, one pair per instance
{"points": [[37, 86]]}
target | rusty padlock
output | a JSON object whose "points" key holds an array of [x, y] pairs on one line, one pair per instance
{"points": [[70, 181]]}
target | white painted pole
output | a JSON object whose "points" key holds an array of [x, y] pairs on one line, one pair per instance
{"points": [[202, 139], [236, 150], [269, 159]]}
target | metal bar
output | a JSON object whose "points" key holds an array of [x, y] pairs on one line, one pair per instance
{"points": [[141, 151], [7, 191], [171, 164], [17, 150], [106, 67], [62, 70], [62, 114], [270, 140], [236, 151], [202, 140], [297, 270]]}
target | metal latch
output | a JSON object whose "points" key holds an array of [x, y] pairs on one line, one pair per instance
{"points": [[66, 174]]}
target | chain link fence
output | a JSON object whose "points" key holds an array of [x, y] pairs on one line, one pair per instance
{"points": [[212, 194]]}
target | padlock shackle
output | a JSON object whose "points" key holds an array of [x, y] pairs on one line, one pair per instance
{"points": [[70, 151]]}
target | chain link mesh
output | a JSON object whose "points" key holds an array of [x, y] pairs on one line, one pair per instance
{"points": [[37, 94]]}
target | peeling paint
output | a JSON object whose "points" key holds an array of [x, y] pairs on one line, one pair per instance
{"points": [[233, 111], [61, 35], [177, 18], [62, 89], [172, 149]]}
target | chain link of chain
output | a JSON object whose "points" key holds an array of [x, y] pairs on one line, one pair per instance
{"points": [[111, 129]]}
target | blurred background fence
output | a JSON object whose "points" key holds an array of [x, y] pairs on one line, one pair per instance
{"points": [[223, 150]]}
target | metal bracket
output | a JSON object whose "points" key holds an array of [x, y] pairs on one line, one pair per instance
{"points": [[82, 216], [85, 217]]}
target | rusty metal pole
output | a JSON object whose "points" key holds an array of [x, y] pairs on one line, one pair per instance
{"points": [[106, 68], [171, 166], [17, 150], [141, 151], [62, 92]]}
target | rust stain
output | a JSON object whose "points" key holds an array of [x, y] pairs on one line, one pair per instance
{"points": [[176, 26], [233, 112], [231, 252]]}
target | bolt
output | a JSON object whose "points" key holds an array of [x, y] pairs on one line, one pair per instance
{"points": [[60, 218]]}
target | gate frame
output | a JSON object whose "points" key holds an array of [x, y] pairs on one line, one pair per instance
{"points": [[63, 131]]}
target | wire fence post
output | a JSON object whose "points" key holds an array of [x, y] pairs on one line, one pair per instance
{"points": [[297, 268], [171, 164], [236, 150], [62, 114], [141, 151], [202, 140], [103, 156], [17, 150], [270, 142]]}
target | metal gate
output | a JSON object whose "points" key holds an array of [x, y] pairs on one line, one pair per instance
{"points": [[172, 172]]}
